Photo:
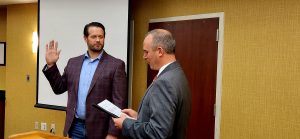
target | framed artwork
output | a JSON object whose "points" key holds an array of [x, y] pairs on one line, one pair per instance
{"points": [[2, 53]]}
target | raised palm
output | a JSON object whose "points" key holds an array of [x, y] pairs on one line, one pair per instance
{"points": [[52, 54]]}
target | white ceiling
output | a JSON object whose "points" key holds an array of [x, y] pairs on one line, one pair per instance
{"points": [[8, 2]]}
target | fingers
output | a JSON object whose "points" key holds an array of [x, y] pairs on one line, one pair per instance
{"points": [[52, 53], [129, 111], [52, 45], [56, 46], [116, 122], [126, 110]]}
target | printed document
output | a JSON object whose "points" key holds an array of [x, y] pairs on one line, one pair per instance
{"points": [[110, 108]]}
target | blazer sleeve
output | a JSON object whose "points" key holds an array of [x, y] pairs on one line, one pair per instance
{"points": [[58, 83], [119, 94], [162, 112]]}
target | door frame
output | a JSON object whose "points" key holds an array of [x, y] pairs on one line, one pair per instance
{"points": [[220, 37]]}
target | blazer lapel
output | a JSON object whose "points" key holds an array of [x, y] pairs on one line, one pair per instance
{"points": [[101, 66], [140, 107], [168, 68], [77, 72]]}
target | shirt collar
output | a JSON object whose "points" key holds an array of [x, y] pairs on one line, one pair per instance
{"points": [[86, 56], [163, 67]]}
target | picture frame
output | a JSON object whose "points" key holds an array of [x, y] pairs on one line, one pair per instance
{"points": [[2, 53]]}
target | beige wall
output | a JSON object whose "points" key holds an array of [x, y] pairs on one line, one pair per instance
{"points": [[2, 39], [20, 112], [261, 62]]}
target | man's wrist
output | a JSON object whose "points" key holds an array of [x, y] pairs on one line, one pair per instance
{"points": [[49, 65], [46, 67]]}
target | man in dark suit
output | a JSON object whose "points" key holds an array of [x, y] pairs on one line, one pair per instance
{"points": [[89, 79], [165, 109]]}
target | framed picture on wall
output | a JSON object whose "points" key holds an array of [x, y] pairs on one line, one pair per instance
{"points": [[2, 53]]}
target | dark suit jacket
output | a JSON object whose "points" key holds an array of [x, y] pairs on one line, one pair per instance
{"points": [[109, 82], [165, 109]]}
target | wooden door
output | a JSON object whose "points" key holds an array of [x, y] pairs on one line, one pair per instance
{"points": [[197, 52]]}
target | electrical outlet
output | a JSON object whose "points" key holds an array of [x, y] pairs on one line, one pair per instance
{"points": [[52, 128], [44, 126], [36, 125]]}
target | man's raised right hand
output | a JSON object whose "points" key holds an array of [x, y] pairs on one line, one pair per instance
{"points": [[52, 54]]}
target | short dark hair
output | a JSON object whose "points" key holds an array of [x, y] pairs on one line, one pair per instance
{"points": [[92, 24]]}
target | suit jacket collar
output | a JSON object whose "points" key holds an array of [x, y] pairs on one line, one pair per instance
{"points": [[173, 65], [99, 69], [170, 67], [79, 62], [101, 66]]}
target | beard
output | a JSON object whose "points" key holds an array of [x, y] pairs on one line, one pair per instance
{"points": [[96, 48]]}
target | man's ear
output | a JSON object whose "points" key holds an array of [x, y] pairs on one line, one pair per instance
{"points": [[160, 50]]}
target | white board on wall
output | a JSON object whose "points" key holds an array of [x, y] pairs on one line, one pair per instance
{"points": [[63, 21]]}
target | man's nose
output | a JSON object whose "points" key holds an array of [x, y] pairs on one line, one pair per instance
{"points": [[98, 39]]}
